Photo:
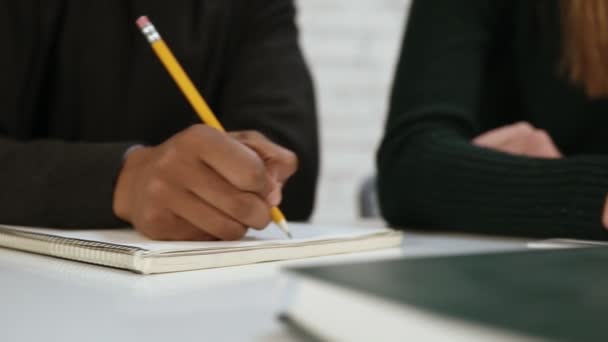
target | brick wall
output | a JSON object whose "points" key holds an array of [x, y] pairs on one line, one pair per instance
{"points": [[352, 47]]}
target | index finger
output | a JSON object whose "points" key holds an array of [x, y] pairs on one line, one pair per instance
{"points": [[281, 163], [235, 162]]}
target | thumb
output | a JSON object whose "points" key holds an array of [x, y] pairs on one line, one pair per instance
{"points": [[276, 194]]}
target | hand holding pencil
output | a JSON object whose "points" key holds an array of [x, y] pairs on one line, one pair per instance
{"points": [[202, 184]]}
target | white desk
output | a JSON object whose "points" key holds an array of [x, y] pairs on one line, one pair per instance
{"points": [[49, 299]]}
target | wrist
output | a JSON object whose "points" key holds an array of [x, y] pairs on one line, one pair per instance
{"points": [[133, 159]]}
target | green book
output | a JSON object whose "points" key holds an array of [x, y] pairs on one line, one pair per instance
{"points": [[556, 295]]}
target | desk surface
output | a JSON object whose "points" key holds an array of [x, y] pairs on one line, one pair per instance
{"points": [[43, 298]]}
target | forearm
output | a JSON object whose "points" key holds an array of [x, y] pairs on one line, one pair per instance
{"points": [[437, 179], [270, 90], [59, 184]]}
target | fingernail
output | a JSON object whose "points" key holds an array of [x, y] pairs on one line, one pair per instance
{"points": [[274, 199]]}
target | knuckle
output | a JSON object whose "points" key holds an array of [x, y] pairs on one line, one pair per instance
{"points": [[194, 134], [252, 135], [181, 141], [202, 131], [184, 137], [196, 129], [542, 134], [253, 178], [187, 137], [157, 188], [535, 138], [258, 173], [168, 158], [524, 127]]}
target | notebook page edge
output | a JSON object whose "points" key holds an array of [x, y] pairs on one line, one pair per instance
{"points": [[92, 252]]}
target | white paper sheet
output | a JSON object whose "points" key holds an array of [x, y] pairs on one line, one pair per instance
{"points": [[254, 238]]}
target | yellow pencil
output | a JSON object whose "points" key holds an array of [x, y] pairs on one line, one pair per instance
{"points": [[192, 94]]}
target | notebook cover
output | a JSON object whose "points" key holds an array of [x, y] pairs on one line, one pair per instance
{"points": [[556, 294]]}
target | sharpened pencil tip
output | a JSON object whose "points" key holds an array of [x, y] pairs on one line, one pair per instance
{"points": [[283, 226]]}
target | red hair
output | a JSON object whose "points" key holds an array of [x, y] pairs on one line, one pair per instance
{"points": [[585, 44]]}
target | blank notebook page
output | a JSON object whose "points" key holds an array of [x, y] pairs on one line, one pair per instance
{"points": [[127, 249], [302, 234]]}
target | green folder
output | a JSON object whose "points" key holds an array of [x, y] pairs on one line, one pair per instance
{"points": [[549, 294]]}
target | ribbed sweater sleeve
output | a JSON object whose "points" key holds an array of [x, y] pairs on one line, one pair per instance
{"points": [[268, 87], [52, 183], [429, 174]]}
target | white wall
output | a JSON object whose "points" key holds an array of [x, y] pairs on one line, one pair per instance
{"points": [[352, 47]]}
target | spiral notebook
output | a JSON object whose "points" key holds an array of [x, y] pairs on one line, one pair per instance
{"points": [[126, 249]]}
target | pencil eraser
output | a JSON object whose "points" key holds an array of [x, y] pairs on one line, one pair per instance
{"points": [[143, 21]]}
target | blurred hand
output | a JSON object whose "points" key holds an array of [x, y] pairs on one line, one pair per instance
{"points": [[202, 184], [520, 139]]}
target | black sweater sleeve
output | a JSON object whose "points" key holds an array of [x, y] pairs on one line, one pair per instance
{"points": [[52, 183], [430, 176], [269, 89]]}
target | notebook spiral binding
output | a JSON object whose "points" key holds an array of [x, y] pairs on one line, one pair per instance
{"points": [[106, 254]]}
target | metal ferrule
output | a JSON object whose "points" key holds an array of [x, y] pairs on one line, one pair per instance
{"points": [[150, 33]]}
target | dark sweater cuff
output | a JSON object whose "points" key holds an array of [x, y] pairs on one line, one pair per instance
{"points": [[85, 199], [589, 198]]}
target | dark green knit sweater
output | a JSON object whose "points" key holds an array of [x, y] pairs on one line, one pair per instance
{"points": [[470, 67]]}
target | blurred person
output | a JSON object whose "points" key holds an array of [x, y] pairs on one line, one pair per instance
{"points": [[94, 132], [497, 119]]}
